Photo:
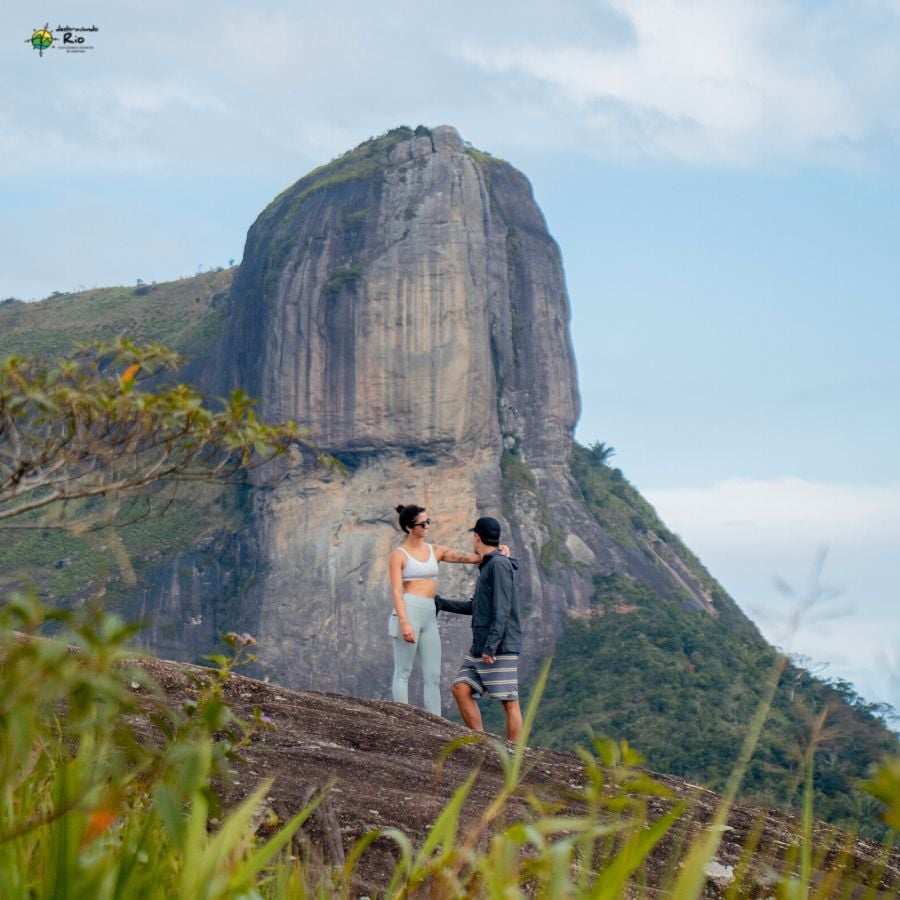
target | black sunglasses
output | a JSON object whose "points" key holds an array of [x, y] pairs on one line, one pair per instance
{"points": [[420, 524]]}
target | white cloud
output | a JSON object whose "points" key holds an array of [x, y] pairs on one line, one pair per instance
{"points": [[728, 81], [128, 111], [752, 533], [785, 508], [710, 80]]}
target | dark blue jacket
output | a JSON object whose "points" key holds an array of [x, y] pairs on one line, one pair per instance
{"points": [[493, 608]]}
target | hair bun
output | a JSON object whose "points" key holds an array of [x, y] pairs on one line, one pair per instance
{"points": [[400, 508]]}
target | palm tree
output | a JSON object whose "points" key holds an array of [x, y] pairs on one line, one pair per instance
{"points": [[601, 453]]}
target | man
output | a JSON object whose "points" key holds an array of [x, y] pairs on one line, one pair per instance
{"points": [[492, 663]]}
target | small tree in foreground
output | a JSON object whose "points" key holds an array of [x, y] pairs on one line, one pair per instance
{"points": [[80, 428]]}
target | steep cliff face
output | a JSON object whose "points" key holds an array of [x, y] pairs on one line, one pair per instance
{"points": [[399, 298], [407, 303]]}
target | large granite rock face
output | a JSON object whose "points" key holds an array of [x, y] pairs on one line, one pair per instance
{"points": [[404, 308], [407, 303]]}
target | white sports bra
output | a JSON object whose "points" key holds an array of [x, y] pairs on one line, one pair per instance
{"points": [[414, 570]]}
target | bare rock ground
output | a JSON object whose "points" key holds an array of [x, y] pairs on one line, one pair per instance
{"points": [[378, 761]]}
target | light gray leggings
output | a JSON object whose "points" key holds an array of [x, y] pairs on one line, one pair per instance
{"points": [[421, 615]]}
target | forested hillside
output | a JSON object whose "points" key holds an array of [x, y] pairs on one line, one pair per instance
{"points": [[681, 686]]}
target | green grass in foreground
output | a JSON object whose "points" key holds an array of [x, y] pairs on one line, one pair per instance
{"points": [[94, 805]]}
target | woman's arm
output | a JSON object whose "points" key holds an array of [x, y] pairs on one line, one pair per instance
{"points": [[395, 571], [445, 554]]}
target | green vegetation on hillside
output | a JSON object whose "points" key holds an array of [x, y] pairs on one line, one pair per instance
{"points": [[341, 277], [58, 562], [619, 507], [63, 564], [179, 314], [519, 480], [682, 687], [682, 684], [482, 156]]}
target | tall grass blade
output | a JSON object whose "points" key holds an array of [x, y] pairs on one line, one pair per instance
{"points": [[613, 879], [248, 870], [215, 862], [445, 827], [514, 775], [404, 863], [349, 867]]}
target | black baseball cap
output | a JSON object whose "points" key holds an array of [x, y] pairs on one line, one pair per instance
{"points": [[488, 529]]}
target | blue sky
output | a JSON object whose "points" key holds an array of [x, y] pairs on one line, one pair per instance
{"points": [[723, 178]]}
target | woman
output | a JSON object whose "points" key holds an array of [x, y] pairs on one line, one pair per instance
{"points": [[413, 569]]}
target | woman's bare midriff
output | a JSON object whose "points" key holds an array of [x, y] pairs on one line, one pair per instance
{"points": [[421, 587]]}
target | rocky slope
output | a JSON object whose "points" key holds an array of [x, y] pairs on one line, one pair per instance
{"points": [[378, 762]]}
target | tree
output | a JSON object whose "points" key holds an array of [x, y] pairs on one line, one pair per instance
{"points": [[601, 453], [80, 428]]}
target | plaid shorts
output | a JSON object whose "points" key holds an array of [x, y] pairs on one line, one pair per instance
{"points": [[499, 679]]}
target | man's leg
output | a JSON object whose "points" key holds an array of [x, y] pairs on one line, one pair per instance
{"points": [[468, 707], [513, 719]]}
